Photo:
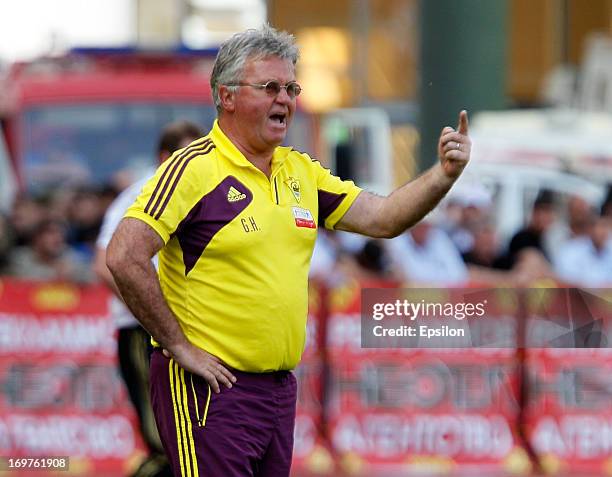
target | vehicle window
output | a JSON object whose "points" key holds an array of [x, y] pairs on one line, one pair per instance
{"points": [[88, 144]]}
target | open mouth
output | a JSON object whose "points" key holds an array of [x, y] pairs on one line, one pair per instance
{"points": [[279, 118]]}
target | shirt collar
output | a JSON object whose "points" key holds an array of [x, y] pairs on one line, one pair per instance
{"points": [[227, 147]]}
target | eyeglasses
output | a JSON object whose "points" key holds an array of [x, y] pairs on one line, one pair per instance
{"points": [[273, 87]]}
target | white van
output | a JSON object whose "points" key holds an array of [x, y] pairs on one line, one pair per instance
{"points": [[8, 182], [516, 154]]}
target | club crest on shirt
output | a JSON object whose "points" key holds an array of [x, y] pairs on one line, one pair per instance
{"points": [[294, 186]]}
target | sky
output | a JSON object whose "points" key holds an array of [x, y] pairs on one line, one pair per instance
{"points": [[31, 27]]}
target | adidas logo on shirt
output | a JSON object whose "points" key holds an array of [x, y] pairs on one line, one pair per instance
{"points": [[234, 195]]}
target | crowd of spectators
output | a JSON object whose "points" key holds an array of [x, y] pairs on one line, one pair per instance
{"points": [[53, 237], [563, 241]]}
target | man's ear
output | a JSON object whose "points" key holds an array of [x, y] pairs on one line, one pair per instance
{"points": [[228, 99]]}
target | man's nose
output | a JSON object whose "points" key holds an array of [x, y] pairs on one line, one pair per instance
{"points": [[283, 97]]}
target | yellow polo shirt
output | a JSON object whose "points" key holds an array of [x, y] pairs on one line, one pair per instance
{"points": [[234, 269]]}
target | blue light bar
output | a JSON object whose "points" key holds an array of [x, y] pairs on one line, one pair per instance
{"points": [[137, 50]]}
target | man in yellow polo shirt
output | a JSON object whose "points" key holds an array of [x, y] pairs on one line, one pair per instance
{"points": [[234, 218]]}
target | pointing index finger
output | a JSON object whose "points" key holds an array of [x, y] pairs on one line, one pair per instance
{"points": [[463, 122]]}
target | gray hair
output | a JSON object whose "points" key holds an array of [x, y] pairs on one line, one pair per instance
{"points": [[250, 44]]}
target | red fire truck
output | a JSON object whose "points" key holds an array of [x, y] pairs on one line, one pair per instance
{"points": [[82, 118]]}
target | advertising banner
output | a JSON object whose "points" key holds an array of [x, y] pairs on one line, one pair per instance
{"points": [[311, 454], [568, 413], [403, 409], [568, 366], [536, 375], [60, 393]]}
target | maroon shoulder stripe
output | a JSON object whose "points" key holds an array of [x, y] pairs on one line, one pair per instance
{"points": [[172, 162], [328, 202], [210, 147], [173, 168]]}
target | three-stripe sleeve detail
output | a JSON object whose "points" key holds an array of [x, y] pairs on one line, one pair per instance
{"points": [[171, 176], [171, 163], [184, 432], [188, 159]]}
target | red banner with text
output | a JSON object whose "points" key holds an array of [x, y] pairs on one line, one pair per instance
{"points": [[311, 454], [61, 391], [361, 411], [401, 410]]}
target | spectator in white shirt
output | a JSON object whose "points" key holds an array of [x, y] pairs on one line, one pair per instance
{"points": [[426, 255], [587, 260]]}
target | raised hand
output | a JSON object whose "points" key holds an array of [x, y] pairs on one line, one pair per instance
{"points": [[454, 147]]}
